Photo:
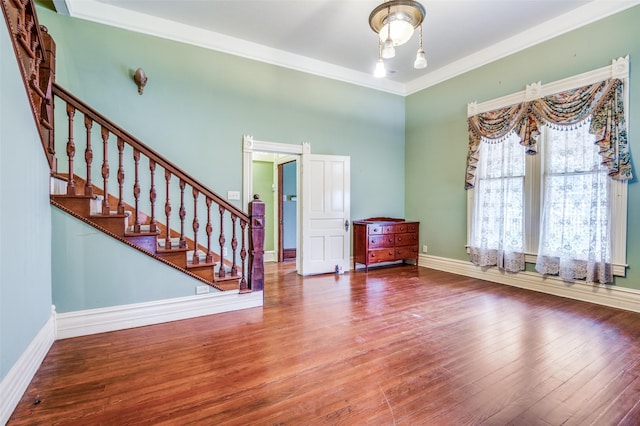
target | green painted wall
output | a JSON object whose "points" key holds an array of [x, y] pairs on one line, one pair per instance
{"points": [[25, 223], [263, 185], [196, 107], [91, 270], [436, 130]]}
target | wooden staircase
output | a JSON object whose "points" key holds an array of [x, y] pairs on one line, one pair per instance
{"points": [[120, 227], [113, 202]]}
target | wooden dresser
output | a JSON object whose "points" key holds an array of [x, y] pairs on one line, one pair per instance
{"points": [[384, 239]]}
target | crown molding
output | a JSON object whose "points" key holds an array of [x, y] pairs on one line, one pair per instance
{"points": [[92, 10], [587, 14], [102, 13]]}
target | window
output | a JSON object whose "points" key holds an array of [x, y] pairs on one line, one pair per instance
{"points": [[574, 232], [497, 233], [564, 206]]}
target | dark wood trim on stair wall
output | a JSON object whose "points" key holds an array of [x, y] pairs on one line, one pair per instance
{"points": [[35, 51]]}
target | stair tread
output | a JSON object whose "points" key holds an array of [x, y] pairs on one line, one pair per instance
{"points": [[141, 234], [227, 278], [78, 196], [201, 265], [161, 250], [114, 215]]}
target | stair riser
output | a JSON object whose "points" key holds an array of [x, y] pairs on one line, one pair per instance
{"points": [[115, 225], [205, 272], [178, 258], [145, 242], [79, 205]]}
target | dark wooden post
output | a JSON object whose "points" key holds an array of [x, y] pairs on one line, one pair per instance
{"points": [[256, 244]]}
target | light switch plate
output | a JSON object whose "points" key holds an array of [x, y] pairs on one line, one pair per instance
{"points": [[233, 195]]}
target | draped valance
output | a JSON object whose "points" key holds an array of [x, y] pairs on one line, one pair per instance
{"points": [[602, 101]]}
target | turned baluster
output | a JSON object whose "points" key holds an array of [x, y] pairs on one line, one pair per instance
{"points": [[34, 77], [21, 23], [28, 27], [182, 213], [167, 211], [234, 246], [120, 176], [152, 197], [88, 157], [71, 150], [105, 169], [196, 226], [136, 190], [209, 232], [221, 240], [243, 257]]}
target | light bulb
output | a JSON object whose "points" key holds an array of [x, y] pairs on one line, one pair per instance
{"points": [[388, 51], [380, 72], [421, 60]]}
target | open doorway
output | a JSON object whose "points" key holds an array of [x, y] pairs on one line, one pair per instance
{"points": [[287, 210], [323, 237], [274, 180]]}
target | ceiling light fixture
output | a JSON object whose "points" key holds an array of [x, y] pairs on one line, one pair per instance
{"points": [[394, 21]]}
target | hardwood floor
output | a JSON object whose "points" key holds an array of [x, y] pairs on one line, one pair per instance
{"points": [[399, 345]]}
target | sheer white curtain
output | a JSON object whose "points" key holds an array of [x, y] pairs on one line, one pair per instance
{"points": [[497, 227], [574, 234]]}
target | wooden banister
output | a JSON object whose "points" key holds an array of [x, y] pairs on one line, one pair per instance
{"points": [[113, 128]]}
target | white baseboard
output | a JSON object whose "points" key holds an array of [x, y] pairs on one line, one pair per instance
{"points": [[270, 256], [607, 295], [17, 380], [92, 321]]}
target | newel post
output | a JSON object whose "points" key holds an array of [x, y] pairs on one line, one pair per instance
{"points": [[256, 244]]}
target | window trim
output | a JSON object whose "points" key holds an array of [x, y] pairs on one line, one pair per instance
{"points": [[619, 69]]}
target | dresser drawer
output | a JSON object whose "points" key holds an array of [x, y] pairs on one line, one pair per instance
{"points": [[374, 229], [406, 239], [389, 229], [403, 228], [382, 255], [379, 241], [406, 252]]}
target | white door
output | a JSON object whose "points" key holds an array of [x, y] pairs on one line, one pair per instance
{"points": [[326, 229]]}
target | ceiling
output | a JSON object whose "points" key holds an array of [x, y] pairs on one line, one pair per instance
{"points": [[332, 38]]}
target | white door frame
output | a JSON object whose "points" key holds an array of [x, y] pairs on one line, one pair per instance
{"points": [[249, 145]]}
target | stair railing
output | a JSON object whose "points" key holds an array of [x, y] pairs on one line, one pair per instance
{"points": [[35, 50], [229, 221]]}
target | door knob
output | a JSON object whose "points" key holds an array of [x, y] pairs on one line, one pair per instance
{"points": [[346, 224]]}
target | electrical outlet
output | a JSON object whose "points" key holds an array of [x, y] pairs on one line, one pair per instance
{"points": [[224, 251], [424, 248], [202, 289]]}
